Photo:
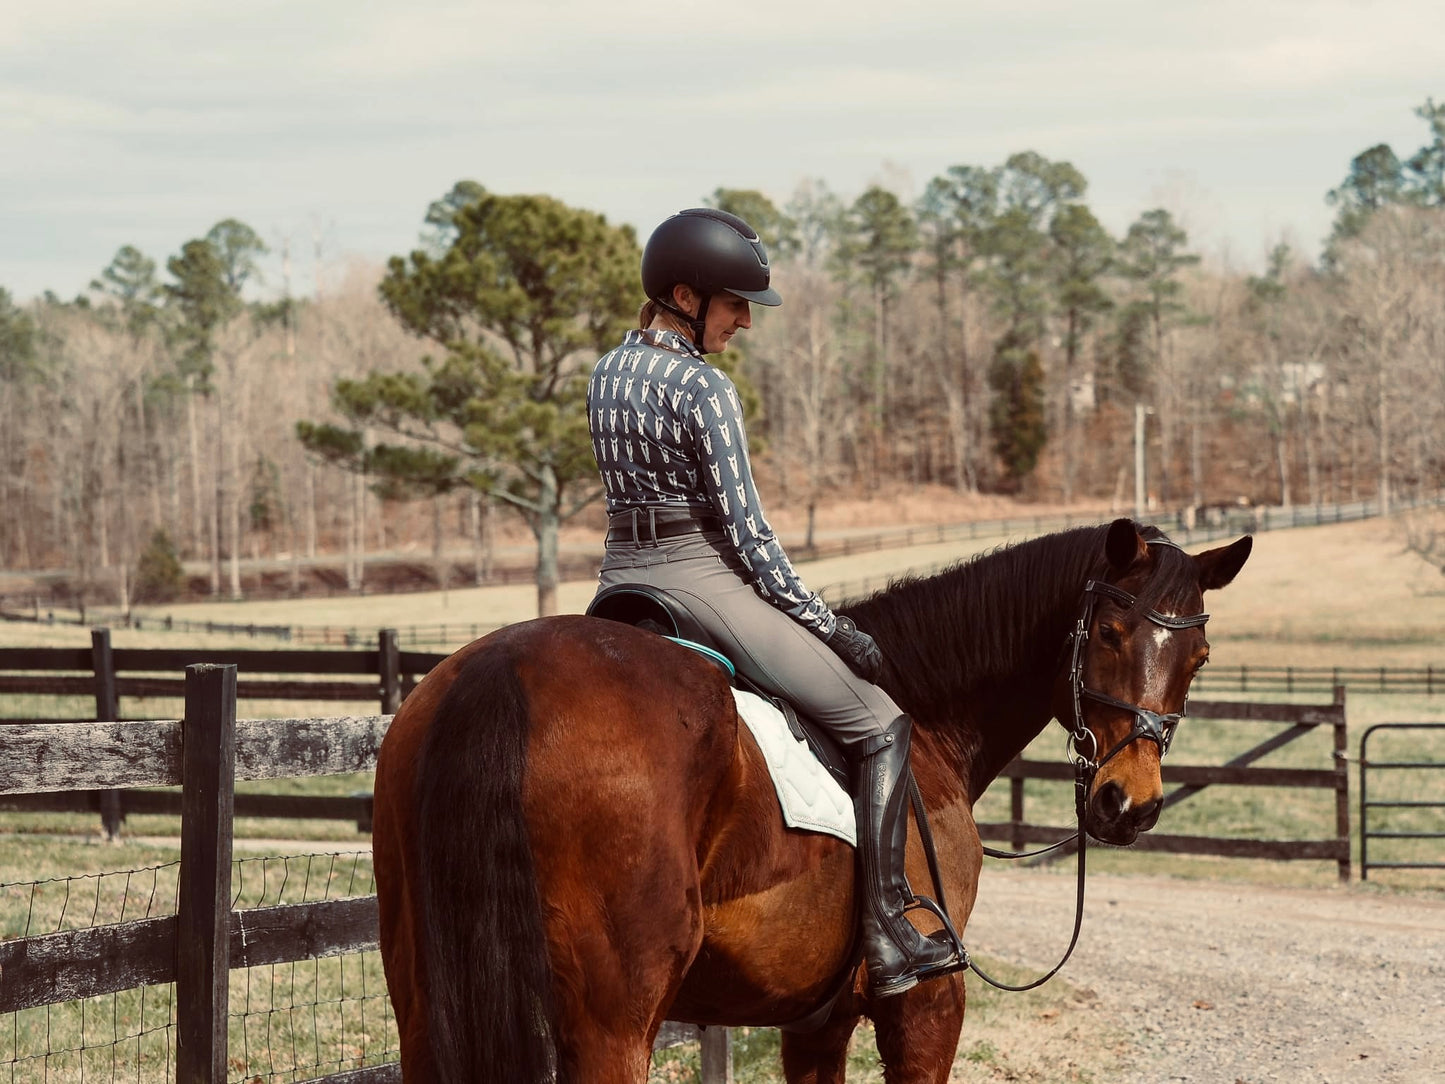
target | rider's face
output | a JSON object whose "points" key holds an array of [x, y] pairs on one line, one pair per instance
{"points": [[726, 315]]}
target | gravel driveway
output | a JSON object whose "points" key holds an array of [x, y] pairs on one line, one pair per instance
{"points": [[1235, 983]]}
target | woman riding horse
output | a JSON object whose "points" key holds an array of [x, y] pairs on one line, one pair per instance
{"points": [[685, 517], [576, 837]]}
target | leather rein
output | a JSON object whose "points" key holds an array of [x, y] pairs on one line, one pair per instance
{"points": [[1084, 747]]}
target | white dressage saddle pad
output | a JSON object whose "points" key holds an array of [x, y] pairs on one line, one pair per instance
{"points": [[811, 798]]}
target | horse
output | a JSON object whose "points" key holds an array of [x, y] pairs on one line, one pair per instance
{"points": [[575, 839]]}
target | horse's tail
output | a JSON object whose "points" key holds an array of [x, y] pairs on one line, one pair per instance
{"points": [[490, 1010]]}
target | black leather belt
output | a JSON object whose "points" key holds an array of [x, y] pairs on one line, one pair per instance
{"points": [[648, 526]]}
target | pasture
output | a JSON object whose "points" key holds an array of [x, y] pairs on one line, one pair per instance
{"points": [[1344, 595]]}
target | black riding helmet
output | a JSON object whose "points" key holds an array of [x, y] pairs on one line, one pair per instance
{"points": [[711, 251]]}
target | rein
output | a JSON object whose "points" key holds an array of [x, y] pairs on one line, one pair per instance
{"points": [[1156, 727]]}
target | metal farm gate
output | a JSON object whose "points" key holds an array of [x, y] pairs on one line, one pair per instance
{"points": [[1409, 818]]}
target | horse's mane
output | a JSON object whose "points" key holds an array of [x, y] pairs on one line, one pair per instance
{"points": [[996, 619]]}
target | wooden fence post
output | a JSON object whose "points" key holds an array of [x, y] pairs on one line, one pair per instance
{"points": [[717, 1056], [1016, 810], [203, 917], [1342, 794], [389, 652], [107, 709]]}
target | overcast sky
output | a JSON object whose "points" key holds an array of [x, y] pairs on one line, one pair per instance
{"points": [[144, 122]]}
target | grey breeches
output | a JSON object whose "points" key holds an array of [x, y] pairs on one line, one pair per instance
{"points": [[791, 661]]}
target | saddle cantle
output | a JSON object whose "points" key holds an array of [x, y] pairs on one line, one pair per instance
{"points": [[655, 610]]}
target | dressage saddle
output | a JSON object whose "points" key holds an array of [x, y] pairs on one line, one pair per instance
{"points": [[654, 610]]}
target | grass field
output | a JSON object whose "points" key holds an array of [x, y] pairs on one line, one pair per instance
{"points": [[1348, 595], [1345, 595]]}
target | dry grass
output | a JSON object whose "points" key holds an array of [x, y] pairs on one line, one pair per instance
{"points": [[1346, 595], [1350, 595]]}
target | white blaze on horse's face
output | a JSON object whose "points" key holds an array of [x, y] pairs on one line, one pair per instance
{"points": [[1145, 642], [1156, 676]]}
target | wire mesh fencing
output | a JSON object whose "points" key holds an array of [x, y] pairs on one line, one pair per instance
{"points": [[291, 1021]]}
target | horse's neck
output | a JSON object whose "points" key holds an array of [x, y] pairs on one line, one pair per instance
{"points": [[1010, 725], [998, 714], [977, 650]]}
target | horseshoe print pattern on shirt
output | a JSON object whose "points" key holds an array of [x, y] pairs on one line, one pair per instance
{"points": [[667, 431]]}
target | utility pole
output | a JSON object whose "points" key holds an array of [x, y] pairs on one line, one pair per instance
{"points": [[1139, 509]]}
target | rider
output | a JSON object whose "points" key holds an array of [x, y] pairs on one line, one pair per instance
{"points": [[667, 431]]}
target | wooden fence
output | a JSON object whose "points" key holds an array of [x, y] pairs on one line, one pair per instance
{"points": [[196, 948], [1241, 770], [1408, 680], [391, 673], [107, 674]]}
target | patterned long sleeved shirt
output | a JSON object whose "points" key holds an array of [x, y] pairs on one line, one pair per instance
{"points": [[667, 431]]}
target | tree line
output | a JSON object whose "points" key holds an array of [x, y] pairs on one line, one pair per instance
{"points": [[989, 335]]}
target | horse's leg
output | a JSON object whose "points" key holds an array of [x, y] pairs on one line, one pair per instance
{"points": [[819, 1057], [613, 988], [594, 1056], [623, 906], [918, 1031]]}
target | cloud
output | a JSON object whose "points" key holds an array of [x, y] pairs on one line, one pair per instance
{"points": [[148, 121]]}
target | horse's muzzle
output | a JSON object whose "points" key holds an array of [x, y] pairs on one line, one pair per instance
{"points": [[1114, 819]]}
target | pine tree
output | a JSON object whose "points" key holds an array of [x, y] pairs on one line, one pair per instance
{"points": [[526, 295]]}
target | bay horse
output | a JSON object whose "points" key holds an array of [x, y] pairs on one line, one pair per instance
{"points": [[575, 838]]}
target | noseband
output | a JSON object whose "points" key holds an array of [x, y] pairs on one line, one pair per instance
{"points": [[1147, 724]]}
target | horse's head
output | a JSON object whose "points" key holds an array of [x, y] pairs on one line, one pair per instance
{"points": [[1138, 643]]}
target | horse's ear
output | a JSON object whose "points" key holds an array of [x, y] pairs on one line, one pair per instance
{"points": [[1124, 546], [1218, 567]]}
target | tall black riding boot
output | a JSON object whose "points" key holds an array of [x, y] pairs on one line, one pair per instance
{"points": [[898, 955]]}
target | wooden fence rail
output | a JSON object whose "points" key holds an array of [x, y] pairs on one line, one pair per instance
{"points": [[391, 674], [109, 674], [1189, 780]]}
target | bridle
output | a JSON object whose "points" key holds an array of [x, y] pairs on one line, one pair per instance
{"points": [[1156, 727], [1150, 725]]}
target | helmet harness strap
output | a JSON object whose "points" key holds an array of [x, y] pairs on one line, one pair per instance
{"points": [[695, 324]]}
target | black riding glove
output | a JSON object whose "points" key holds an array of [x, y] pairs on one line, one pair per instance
{"points": [[857, 649]]}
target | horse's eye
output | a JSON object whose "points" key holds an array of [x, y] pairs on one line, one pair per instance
{"points": [[1110, 635]]}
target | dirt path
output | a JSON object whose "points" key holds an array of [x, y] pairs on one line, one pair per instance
{"points": [[1234, 983]]}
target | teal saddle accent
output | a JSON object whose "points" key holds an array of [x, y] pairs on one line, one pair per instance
{"points": [[708, 653]]}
